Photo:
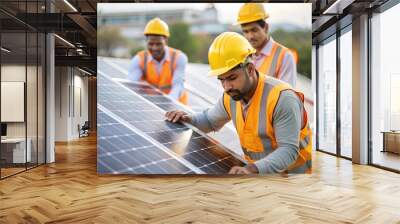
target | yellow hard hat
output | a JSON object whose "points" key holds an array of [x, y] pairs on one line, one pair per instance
{"points": [[251, 12], [228, 50], [156, 26]]}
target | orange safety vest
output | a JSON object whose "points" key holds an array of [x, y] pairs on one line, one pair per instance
{"points": [[256, 132], [162, 81], [273, 63]]}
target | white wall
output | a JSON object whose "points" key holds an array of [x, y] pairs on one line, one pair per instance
{"points": [[70, 83], [61, 103], [79, 115], [13, 73]]}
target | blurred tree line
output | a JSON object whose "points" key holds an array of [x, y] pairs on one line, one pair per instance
{"points": [[300, 41], [196, 46], [108, 39]]}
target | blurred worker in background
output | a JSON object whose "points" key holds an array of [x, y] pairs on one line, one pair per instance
{"points": [[160, 65], [272, 58]]}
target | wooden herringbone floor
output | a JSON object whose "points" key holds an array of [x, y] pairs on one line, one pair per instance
{"points": [[70, 191]]}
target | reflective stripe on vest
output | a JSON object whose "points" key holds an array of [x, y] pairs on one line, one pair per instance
{"points": [[304, 142], [145, 65], [272, 63], [272, 68], [262, 126]]}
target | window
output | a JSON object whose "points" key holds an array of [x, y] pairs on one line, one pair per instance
{"points": [[346, 93], [385, 86], [327, 96]]}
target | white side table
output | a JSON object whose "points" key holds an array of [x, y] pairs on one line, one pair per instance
{"points": [[19, 149]]}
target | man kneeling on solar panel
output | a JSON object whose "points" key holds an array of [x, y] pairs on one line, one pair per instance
{"points": [[268, 114], [160, 65]]}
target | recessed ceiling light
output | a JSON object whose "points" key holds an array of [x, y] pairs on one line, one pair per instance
{"points": [[64, 40], [71, 6], [86, 72], [5, 49]]}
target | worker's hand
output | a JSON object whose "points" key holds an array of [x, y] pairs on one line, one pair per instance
{"points": [[249, 169], [177, 115], [239, 170]]}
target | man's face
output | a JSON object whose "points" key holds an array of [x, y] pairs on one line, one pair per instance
{"points": [[255, 34], [155, 45], [236, 83]]}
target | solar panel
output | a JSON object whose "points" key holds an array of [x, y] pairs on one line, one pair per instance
{"points": [[226, 136], [122, 151], [134, 104], [124, 64], [154, 96], [109, 67], [203, 93], [157, 98]]}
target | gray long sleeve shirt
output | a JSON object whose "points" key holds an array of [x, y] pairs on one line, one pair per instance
{"points": [[287, 123]]}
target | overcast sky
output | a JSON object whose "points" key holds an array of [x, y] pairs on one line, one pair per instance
{"points": [[295, 13]]}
